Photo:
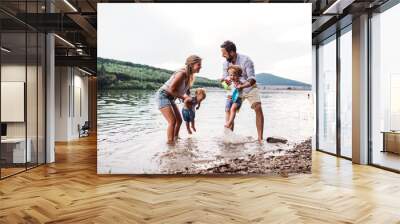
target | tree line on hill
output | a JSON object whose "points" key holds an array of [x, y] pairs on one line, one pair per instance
{"points": [[115, 74]]}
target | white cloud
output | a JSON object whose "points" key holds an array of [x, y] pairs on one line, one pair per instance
{"points": [[301, 65], [164, 35]]}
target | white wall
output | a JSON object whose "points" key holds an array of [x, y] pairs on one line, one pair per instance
{"points": [[70, 83], [12, 73], [62, 81], [33, 126]]}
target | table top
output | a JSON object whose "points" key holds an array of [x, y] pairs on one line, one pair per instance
{"points": [[391, 132], [13, 140]]}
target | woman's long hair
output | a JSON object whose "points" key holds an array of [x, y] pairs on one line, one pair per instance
{"points": [[190, 61]]}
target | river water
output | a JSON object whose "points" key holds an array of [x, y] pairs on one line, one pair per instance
{"points": [[132, 132]]}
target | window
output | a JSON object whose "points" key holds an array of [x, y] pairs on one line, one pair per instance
{"points": [[385, 89], [327, 96], [346, 93]]}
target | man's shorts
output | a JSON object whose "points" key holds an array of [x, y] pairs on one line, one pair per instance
{"points": [[253, 96]]}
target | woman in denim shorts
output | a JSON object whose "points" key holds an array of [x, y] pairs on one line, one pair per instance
{"points": [[177, 86]]}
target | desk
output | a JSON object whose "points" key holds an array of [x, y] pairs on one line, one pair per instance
{"points": [[391, 141], [15, 148]]}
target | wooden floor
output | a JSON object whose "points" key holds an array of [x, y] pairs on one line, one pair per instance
{"points": [[387, 159], [70, 191]]}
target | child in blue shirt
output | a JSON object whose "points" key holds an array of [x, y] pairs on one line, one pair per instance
{"points": [[189, 108], [234, 100]]}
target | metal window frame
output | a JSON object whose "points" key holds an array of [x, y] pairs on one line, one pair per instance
{"points": [[339, 32]]}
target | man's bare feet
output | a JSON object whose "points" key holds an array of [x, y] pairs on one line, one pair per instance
{"points": [[189, 131]]}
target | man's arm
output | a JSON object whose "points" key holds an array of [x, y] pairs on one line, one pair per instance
{"points": [[251, 77], [224, 71], [246, 84]]}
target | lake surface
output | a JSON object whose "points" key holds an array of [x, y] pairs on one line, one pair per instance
{"points": [[132, 132]]}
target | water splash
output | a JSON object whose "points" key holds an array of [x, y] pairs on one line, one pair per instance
{"points": [[231, 137]]}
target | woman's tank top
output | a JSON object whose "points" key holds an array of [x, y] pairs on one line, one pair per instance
{"points": [[182, 88]]}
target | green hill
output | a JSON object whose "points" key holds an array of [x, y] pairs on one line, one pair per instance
{"points": [[115, 74], [273, 80]]}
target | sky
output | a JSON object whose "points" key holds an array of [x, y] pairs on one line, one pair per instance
{"points": [[277, 37]]}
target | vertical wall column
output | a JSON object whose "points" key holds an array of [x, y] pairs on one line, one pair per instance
{"points": [[360, 90], [50, 98], [50, 92], [314, 94], [92, 100], [63, 100]]}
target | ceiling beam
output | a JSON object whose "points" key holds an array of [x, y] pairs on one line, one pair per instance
{"points": [[79, 61], [338, 6], [86, 27]]}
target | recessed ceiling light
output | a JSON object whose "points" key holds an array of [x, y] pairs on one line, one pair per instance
{"points": [[70, 5], [86, 72], [64, 40], [338, 6], [5, 50]]}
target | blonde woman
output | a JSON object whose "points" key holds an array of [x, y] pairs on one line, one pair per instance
{"points": [[177, 86]]}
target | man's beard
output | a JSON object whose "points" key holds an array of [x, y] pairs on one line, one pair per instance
{"points": [[230, 59]]}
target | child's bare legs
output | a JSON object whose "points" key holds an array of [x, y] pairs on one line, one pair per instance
{"points": [[188, 127], [227, 116], [193, 126], [231, 117]]}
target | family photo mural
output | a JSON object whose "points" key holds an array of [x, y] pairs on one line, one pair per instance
{"points": [[204, 89]]}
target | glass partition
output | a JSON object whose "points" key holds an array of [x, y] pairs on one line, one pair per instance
{"points": [[41, 88], [31, 98], [13, 105], [22, 77]]}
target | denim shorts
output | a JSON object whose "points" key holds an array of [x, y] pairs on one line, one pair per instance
{"points": [[188, 114], [164, 100], [229, 104]]}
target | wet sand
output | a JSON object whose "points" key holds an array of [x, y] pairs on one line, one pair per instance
{"points": [[270, 158]]}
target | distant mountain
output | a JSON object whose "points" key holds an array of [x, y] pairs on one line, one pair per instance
{"points": [[273, 80]]}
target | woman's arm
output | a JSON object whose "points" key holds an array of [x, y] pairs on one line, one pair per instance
{"points": [[188, 102]]}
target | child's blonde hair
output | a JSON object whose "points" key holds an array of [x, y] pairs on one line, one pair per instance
{"points": [[236, 69], [200, 91]]}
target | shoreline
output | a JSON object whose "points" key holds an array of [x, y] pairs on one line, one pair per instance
{"points": [[294, 159]]}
